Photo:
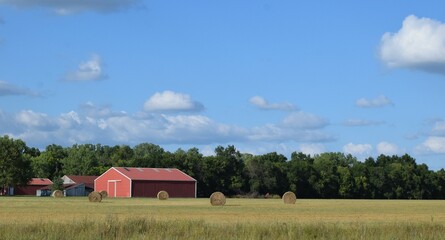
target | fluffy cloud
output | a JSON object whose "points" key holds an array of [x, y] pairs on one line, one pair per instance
{"points": [[387, 148], [357, 149], [419, 44], [10, 89], [380, 101], [361, 123], [304, 120], [101, 124], [432, 145], [263, 104], [312, 149], [90, 70], [65, 7], [169, 101]]}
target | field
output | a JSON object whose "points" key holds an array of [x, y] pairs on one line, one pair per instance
{"points": [[77, 218]]}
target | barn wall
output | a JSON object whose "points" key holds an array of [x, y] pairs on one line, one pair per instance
{"points": [[112, 180], [27, 190], [174, 188]]}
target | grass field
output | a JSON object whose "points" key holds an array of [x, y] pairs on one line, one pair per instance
{"points": [[76, 218]]}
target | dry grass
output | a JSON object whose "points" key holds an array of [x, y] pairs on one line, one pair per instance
{"points": [[217, 199], [307, 219], [95, 197], [162, 195], [104, 193], [57, 194], [289, 198]]}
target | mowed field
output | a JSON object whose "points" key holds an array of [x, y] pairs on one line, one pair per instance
{"points": [[141, 218]]}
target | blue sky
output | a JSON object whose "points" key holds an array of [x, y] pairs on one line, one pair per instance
{"points": [[364, 78]]}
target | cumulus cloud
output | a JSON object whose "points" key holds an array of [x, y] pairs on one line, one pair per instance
{"points": [[8, 89], [90, 70], [435, 141], [169, 101], [432, 145], [419, 44], [361, 123], [66, 7], [312, 149], [304, 120], [380, 101], [263, 104], [101, 124], [387, 148], [357, 149]]}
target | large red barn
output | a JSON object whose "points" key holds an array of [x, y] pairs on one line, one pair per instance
{"points": [[145, 182]]}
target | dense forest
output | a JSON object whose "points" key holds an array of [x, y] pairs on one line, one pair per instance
{"points": [[326, 175]]}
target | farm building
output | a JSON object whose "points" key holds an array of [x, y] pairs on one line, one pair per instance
{"points": [[78, 185], [32, 186], [145, 182]]}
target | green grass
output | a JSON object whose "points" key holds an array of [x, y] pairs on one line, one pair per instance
{"points": [[76, 218]]}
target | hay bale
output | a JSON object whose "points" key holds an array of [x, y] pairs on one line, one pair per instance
{"points": [[289, 198], [57, 194], [95, 197], [104, 193], [217, 199], [162, 195]]}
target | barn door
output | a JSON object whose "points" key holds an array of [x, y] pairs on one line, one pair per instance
{"points": [[112, 188]]}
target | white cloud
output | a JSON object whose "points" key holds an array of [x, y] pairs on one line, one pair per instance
{"points": [[304, 120], [380, 101], [169, 101], [432, 145], [261, 103], [65, 7], [438, 128], [387, 148], [90, 70], [312, 149], [362, 122], [357, 149], [7, 89], [419, 44]]}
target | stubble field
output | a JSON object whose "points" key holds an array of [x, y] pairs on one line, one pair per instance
{"points": [[139, 218]]}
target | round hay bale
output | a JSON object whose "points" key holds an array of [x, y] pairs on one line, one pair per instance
{"points": [[104, 193], [289, 198], [57, 194], [95, 197], [217, 199], [162, 195]]}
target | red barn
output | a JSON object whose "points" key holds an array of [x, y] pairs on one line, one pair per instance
{"points": [[32, 186], [145, 182]]}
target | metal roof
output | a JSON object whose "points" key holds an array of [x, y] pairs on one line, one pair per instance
{"points": [[88, 180], [155, 174], [40, 181]]}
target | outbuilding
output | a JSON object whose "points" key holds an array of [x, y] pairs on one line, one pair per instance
{"points": [[32, 186], [146, 182], [78, 185]]}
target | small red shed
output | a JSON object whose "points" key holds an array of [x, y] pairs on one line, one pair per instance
{"points": [[145, 182], [32, 186]]}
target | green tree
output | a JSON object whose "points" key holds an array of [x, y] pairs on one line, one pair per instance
{"points": [[15, 166]]}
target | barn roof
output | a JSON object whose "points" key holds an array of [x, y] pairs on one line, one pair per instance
{"points": [[87, 180], [154, 174], [40, 182]]}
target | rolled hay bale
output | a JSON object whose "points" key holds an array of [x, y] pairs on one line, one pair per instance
{"points": [[95, 197], [162, 195], [104, 193], [217, 199], [289, 198], [57, 194]]}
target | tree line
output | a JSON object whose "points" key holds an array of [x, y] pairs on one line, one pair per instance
{"points": [[325, 175]]}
